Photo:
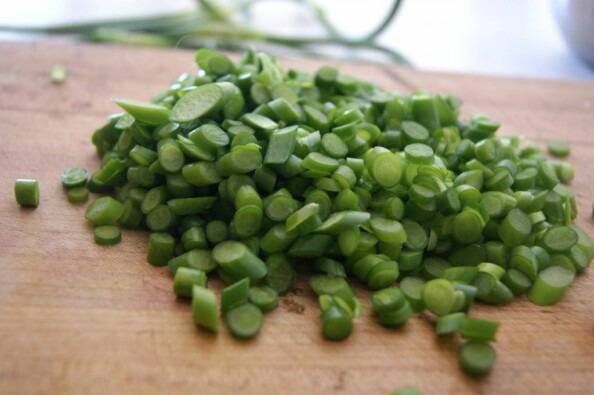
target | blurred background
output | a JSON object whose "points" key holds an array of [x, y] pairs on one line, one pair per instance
{"points": [[527, 38]]}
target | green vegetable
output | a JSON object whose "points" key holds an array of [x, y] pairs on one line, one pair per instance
{"points": [[407, 391], [195, 259], [247, 221], [387, 230], [384, 166], [310, 246], [171, 157], [468, 226], [326, 76], [281, 275], [461, 274], [204, 308], [142, 156], [469, 292], [110, 171], [149, 113], [439, 296], [336, 324], [342, 220], [412, 288], [197, 103], [550, 285], [26, 192], [78, 195], [265, 298], [388, 299], [559, 149], [160, 249], [107, 235], [334, 146], [185, 279], [516, 281], [74, 177], [396, 318], [559, 238], [477, 358], [391, 307], [276, 239], [330, 267], [281, 145], [477, 329], [216, 231], [161, 219], [189, 206], [246, 171], [104, 211], [235, 258], [194, 237], [333, 286], [59, 74], [235, 294], [414, 132], [449, 324], [301, 218], [419, 153], [213, 62], [244, 321], [515, 228], [320, 164], [209, 137]]}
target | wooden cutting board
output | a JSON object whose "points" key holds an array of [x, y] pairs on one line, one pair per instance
{"points": [[77, 318]]}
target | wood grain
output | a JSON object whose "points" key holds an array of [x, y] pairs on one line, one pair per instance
{"points": [[78, 318]]}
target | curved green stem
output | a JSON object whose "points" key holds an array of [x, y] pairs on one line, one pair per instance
{"points": [[323, 20], [231, 33], [371, 36], [214, 10], [173, 29], [320, 15], [114, 36]]}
